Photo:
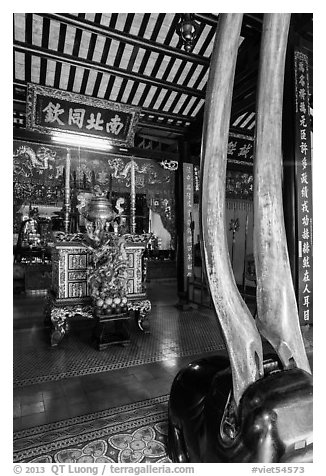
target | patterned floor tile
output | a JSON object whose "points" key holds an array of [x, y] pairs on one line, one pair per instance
{"points": [[71, 438], [173, 334]]}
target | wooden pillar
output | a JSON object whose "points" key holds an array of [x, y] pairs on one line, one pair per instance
{"points": [[241, 336], [277, 318]]}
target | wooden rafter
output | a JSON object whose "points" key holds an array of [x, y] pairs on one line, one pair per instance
{"points": [[150, 45], [92, 65]]}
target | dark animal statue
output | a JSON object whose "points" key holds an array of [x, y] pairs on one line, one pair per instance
{"points": [[272, 423]]}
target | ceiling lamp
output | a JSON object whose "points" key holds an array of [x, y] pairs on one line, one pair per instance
{"points": [[81, 141], [187, 29]]}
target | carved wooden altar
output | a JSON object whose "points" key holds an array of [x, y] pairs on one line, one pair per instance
{"points": [[101, 273], [69, 296]]}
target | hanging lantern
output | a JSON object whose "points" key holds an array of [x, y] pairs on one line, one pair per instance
{"points": [[187, 29]]}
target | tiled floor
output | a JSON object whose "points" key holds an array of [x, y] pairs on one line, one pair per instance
{"points": [[55, 400], [51, 401], [172, 334]]}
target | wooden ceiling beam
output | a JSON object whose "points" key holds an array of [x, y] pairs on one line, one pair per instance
{"points": [[243, 76], [244, 88], [145, 110], [252, 23], [92, 65], [45, 44], [134, 40], [194, 131], [28, 38], [303, 24], [162, 140], [167, 115], [208, 18], [163, 127], [241, 106]]}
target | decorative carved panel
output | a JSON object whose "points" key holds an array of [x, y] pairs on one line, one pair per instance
{"points": [[69, 272]]}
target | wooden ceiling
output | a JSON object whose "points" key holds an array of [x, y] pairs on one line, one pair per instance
{"points": [[137, 59]]}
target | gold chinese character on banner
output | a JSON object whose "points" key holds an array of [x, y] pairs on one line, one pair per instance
{"points": [[76, 116], [115, 125], [53, 112], [231, 147], [306, 276], [302, 81], [304, 206], [305, 220], [304, 178], [303, 148], [304, 192], [95, 123]]}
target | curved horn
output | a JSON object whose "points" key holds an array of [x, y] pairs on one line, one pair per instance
{"points": [[240, 333], [278, 319]]}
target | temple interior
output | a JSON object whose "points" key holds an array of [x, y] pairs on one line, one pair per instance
{"points": [[117, 283]]}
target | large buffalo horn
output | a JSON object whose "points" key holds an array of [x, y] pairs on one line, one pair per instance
{"points": [[277, 318], [240, 333]]}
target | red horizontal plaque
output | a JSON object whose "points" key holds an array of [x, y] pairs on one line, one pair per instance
{"points": [[50, 110]]}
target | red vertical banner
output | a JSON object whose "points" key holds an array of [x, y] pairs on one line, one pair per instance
{"points": [[188, 203], [303, 187]]}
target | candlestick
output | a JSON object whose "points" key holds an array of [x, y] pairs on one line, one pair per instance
{"points": [[110, 187]]}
